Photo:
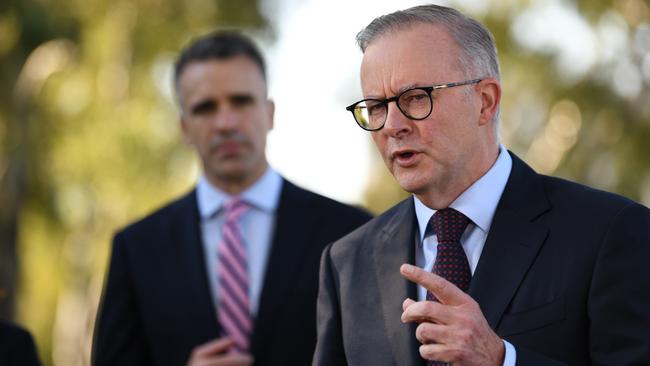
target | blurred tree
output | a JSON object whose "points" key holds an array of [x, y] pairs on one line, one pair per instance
{"points": [[576, 86], [88, 141]]}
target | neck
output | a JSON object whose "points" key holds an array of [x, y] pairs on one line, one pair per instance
{"points": [[238, 184], [441, 194]]}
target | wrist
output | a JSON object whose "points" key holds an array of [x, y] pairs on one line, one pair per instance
{"points": [[501, 352]]}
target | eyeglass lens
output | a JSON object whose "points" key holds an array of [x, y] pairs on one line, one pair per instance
{"points": [[414, 103]]}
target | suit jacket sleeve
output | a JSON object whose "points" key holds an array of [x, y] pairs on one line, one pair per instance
{"points": [[528, 358], [329, 347], [119, 338], [619, 297]]}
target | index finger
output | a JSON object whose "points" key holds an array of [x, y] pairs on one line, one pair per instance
{"points": [[214, 347], [235, 359], [446, 292]]}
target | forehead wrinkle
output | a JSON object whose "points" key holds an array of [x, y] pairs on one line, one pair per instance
{"points": [[383, 80], [385, 73]]}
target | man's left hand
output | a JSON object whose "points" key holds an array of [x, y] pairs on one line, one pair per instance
{"points": [[453, 329]]}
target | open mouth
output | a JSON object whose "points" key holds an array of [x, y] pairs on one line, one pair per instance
{"points": [[405, 157]]}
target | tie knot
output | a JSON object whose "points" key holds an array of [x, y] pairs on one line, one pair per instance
{"points": [[449, 225], [234, 208]]}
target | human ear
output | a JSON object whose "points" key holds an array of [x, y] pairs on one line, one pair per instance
{"points": [[490, 94]]}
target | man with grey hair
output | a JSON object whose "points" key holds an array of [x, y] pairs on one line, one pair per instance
{"points": [[488, 263]]}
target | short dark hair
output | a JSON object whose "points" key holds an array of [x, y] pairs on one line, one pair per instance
{"points": [[219, 45]]}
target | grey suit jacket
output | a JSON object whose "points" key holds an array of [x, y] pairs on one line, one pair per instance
{"points": [[563, 276]]}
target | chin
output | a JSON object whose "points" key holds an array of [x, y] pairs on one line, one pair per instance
{"points": [[411, 185], [411, 180]]}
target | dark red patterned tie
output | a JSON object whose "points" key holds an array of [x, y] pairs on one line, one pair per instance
{"points": [[451, 262]]}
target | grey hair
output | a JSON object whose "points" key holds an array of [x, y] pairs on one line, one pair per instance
{"points": [[478, 52]]}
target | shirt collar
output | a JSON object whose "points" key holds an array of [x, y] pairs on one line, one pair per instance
{"points": [[479, 201], [264, 194]]}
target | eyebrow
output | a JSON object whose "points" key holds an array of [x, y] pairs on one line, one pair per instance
{"points": [[241, 96], [211, 103], [202, 105], [406, 87]]}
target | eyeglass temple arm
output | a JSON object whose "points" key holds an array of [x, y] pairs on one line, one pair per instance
{"points": [[451, 85]]}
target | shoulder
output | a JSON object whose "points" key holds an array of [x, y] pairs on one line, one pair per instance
{"points": [[603, 217], [575, 197], [569, 201], [295, 196], [360, 242], [163, 217]]}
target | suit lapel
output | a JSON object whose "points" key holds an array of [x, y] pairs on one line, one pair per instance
{"points": [[292, 226], [396, 245], [189, 274], [512, 243]]}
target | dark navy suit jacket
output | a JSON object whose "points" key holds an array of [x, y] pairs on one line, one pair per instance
{"points": [[157, 306]]}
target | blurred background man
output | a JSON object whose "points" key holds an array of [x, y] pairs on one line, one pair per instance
{"points": [[228, 273]]}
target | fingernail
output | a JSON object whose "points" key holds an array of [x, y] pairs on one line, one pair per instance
{"points": [[406, 268]]}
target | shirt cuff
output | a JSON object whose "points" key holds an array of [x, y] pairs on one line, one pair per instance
{"points": [[510, 357]]}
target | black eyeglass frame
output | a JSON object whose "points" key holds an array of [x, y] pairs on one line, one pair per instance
{"points": [[395, 98]]}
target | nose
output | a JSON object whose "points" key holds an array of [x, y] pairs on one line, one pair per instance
{"points": [[397, 124], [225, 119]]}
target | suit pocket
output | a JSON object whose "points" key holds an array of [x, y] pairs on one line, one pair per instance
{"points": [[534, 318]]}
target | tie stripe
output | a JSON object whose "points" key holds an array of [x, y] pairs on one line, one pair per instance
{"points": [[233, 269], [234, 302], [233, 288]]}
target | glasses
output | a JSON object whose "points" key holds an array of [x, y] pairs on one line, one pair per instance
{"points": [[414, 103]]}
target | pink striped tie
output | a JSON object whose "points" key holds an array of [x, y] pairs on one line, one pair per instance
{"points": [[234, 303]]}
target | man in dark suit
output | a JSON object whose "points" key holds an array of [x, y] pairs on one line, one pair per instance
{"points": [[489, 263], [17, 347], [228, 274]]}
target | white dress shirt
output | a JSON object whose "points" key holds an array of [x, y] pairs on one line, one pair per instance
{"points": [[257, 226], [478, 203]]}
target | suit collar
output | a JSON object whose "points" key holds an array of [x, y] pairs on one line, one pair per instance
{"points": [[514, 239], [479, 201], [264, 194], [189, 279], [395, 246]]}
